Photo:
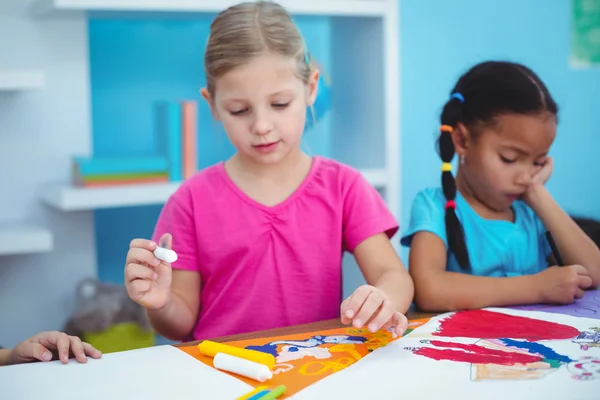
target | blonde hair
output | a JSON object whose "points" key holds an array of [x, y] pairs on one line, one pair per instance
{"points": [[248, 30]]}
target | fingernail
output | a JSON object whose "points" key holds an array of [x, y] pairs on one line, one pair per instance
{"points": [[47, 356], [156, 262], [154, 276], [349, 313], [372, 327], [358, 323]]}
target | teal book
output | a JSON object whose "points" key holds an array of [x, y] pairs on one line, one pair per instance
{"points": [[119, 165]]}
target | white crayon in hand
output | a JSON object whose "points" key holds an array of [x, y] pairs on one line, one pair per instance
{"points": [[165, 254]]}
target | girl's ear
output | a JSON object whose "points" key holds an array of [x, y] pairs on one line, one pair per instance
{"points": [[461, 137], [313, 86], [209, 99]]}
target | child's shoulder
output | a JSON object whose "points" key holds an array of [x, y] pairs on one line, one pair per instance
{"points": [[334, 175], [204, 181], [331, 168], [432, 197]]}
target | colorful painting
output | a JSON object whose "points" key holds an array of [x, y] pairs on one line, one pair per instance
{"points": [[519, 355], [303, 359], [492, 353]]}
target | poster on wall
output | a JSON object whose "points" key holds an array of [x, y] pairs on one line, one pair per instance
{"points": [[585, 33]]}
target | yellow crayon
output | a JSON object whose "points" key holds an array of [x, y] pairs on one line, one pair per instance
{"points": [[210, 349]]}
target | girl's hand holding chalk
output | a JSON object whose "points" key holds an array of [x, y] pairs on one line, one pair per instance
{"points": [[148, 272]]}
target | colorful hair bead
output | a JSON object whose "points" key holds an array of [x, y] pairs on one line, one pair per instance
{"points": [[450, 204]]}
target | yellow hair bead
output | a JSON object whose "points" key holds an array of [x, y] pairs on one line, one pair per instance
{"points": [[446, 167]]}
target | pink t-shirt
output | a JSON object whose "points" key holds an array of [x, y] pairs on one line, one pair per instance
{"points": [[266, 267]]}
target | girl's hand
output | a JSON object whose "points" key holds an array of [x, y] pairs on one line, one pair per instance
{"points": [[148, 279], [542, 176], [562, 285], [369, 305], [42, 346], [538, 180]]}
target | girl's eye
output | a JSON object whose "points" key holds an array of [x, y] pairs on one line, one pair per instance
{"points": [[280, 106], [507, 160], [238, 112]]}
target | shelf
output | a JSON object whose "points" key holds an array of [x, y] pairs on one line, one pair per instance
{"points": [[364, 8], [69, 198], [14, 80], [24, 239]]}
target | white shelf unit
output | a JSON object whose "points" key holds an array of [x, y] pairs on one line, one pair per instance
{"points": [[24, 239], [69, 198], [360, 8], [17, 80]]}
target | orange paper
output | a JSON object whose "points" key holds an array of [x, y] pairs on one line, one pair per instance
{"points": [[305, 358]]}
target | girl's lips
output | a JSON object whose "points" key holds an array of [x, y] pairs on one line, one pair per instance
{"points": [[266, 148]]}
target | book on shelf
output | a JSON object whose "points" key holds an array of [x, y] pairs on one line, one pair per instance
{"points": [[176, 156], [112, 171]]}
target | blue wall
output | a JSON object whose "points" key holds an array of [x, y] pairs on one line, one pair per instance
{"points": [[440, 39], [137, 62]]}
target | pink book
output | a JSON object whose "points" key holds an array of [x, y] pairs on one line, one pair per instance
{"points": [[190, 131]]}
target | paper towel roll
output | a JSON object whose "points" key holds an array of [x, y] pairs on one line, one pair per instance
{"points": [[240, 366]]}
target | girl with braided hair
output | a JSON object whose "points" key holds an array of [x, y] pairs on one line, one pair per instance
{"points": [[479, 240]]}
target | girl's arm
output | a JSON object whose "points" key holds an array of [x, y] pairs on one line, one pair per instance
{"points": [[177, 318], [439, 290], [384, 270], [574, 245]]}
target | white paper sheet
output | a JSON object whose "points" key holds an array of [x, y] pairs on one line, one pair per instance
{"points": [[396, 372], [162, 372]]}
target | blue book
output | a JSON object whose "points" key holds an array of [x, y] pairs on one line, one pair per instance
{"points": [[169, 137], [119, 165]]}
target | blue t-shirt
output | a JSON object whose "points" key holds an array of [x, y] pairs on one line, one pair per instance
{"points": [[496, 248]]}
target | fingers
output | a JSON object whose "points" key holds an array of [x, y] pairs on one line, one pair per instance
{"points": [[34, 350], [39, 348], [62, 345], [584, 281], [352, 304], [142, 244], [137, 271], [142, 256], [383, 316], [368, 309], [91, 350], [166, 241], [580, 270], [579, 293], [138, 288], [400, 323], [77, 349]]}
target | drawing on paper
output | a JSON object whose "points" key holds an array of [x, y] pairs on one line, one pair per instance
{"points": [[508, 347], [588, 340], [305, 358]]}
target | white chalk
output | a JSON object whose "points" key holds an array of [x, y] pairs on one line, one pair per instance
{"points": [[165, 254], [243, 367]]}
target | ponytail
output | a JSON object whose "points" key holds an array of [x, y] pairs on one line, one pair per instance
{"points": [[454, 230]]}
